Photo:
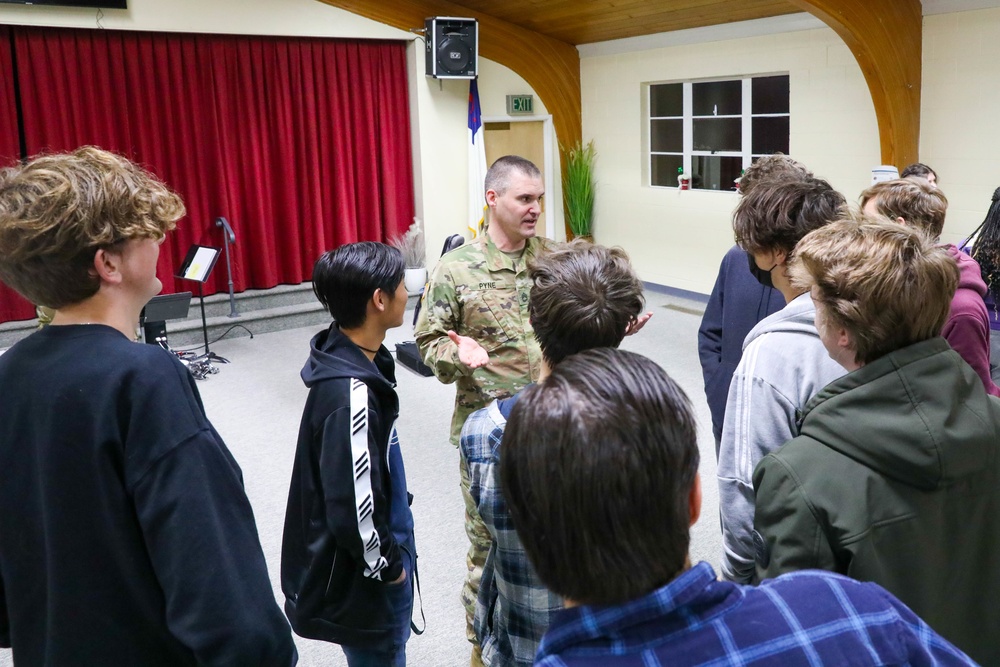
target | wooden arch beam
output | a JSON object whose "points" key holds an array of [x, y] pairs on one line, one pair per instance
{"points": [[885, 38], [550, 66]]}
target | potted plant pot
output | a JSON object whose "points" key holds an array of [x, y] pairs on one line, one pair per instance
{"points": [[415, 279]]}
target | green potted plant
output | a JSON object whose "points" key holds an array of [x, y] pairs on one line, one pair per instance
{"points": [[579, 188], [411, 245]]}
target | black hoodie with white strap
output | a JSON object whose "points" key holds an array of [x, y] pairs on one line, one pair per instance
{"points": [[348, 514]]}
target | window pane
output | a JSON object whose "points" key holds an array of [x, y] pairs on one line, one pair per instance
{"points": [[666, 136], [711, 172], [666, 99], [717, 98], [769, 94], [718, 134], [664, 169], [770, 135]]}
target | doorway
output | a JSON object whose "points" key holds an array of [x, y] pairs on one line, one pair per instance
{"points": [[524, 138]]}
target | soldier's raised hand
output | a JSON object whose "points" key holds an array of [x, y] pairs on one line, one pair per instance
{"points": [[470, 353], [638, 323]]}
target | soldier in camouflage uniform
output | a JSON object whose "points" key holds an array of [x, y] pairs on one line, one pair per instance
{"points": [[473, 328]]}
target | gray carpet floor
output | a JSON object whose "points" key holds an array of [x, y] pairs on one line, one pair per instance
{"points": [[255, 402]]}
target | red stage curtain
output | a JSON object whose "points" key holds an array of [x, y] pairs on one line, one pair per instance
{"points": [[9, 149], [302, 144], [12, 305]]}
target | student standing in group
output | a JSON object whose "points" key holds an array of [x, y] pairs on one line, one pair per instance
{"points": [[126, 537], [348, 553], [784, 363], [893, 476], [582, 296], [738, 300], [610, 533], [914, 202]]}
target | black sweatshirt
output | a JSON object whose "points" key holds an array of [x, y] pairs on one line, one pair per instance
{"points": [[126, 537], [348, 513]]}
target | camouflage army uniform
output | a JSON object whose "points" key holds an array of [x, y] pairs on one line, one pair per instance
{"points": [[478, 291]]}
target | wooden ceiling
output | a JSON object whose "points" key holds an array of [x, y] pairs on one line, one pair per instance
{"points": [[538, 40], [583, 21]]}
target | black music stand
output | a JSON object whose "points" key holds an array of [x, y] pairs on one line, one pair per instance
{"points": [[197, 266], [161, 308]]}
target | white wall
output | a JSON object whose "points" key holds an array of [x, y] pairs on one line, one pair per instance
{"points": [[438, 108], [959, 103], [678, 238]]}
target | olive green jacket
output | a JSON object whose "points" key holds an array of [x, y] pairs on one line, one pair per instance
{"points": [[895, 478], [478, 291]]}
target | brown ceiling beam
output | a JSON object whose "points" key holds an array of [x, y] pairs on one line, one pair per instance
{"points": [[549, 66], [885, 38]]}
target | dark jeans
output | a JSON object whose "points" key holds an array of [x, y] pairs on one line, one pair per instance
{"points": [[401, 599]]}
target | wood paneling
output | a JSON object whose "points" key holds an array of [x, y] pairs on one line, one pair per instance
{"points": [[550, 66], [885, 38], [536, 39], [585, 21]]}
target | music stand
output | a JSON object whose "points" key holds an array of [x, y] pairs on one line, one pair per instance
{"points": [[197, 266], [161, 308]]}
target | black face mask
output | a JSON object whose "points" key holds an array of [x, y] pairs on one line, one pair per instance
{"points": [[762, 276]]}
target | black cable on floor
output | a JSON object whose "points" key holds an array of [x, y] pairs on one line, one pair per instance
{"points": [[224, 334]]}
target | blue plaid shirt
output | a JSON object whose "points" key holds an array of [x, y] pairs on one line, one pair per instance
{"points": [[514, 607], [804, 618]]}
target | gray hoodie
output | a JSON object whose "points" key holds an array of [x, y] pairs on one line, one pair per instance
{"points": [[784, 364]]}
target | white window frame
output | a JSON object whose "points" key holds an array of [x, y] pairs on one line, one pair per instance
{"points": [[688, 118]]}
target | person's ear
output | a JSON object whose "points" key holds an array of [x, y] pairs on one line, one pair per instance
{"points": [[379, 300], [844, 341], [694, 500], [901, 221], [107, 266], [491, 198], [779, 257]]}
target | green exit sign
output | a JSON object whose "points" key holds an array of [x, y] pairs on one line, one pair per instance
{"points": [[520, 104]]}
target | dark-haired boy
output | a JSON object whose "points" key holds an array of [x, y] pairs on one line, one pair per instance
{"points": [[610, 533], [738, 301], [348, 554], [582, 296], [784, 363]]}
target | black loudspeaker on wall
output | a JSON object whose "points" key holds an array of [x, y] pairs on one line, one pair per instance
{"points": [[452, 47]]}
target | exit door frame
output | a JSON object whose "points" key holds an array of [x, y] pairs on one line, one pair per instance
{"points": [[554, 203]]}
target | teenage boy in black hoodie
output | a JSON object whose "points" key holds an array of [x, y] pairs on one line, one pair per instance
{"points": [[347, 553]]}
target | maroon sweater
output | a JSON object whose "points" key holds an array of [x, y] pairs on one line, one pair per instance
{"points": [[967, 329]]}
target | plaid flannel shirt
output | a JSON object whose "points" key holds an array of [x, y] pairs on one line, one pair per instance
{"points": [[804, 618], [514, 607]]}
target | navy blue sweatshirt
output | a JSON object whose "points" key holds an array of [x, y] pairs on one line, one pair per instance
{"points": [[737, 304]]}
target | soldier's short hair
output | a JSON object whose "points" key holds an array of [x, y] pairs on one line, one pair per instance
{"points": [[597, 465], [776, 167], [346, 278], [583, 296], [58, 210], [776, 214], [888, 285], [498, 175], [913, 199]]}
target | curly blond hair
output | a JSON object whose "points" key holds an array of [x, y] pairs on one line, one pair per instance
{"points": [[57, 210]]}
